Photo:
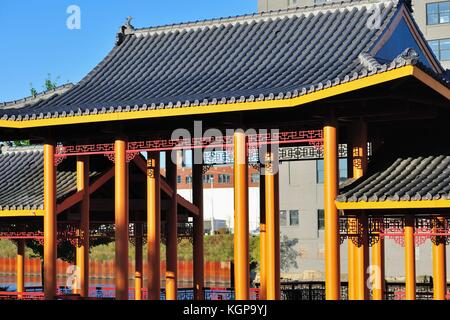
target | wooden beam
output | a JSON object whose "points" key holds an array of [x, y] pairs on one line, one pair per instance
{"points": [[78, 196], [142, 165], [69, 202], [102, 180], [187, 205]]}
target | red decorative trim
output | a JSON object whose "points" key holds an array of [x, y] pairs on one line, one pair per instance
{"points": [[311, 137]]}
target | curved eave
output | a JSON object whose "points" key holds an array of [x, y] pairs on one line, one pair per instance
{"points": [[357, 84], [21, 213], [423, 204]]}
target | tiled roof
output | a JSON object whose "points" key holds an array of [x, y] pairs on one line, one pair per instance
{"points": [[40, 97], [276, 55], [403, 178], [21, 185]]}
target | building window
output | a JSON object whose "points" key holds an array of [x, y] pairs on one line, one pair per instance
{"points": [[441, 48], [188, 179], [343, 171], [293, 218], [224, 178], [254, 178], [438, 12], [178, 179], [283, 218], [320, 219], [208, 178]]}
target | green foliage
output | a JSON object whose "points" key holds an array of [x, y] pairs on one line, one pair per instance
{"points": [[217, 247], [7, 249], [33, 90], [288, 253], [21, 143], [50, 84]]}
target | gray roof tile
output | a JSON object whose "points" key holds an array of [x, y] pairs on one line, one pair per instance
{"points": [[402, 178], [21, 183], [268, 56]]}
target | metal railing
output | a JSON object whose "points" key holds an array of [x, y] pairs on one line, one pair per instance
{"points": [[306, 291]]}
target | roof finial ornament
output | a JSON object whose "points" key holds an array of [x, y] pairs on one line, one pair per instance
{"points": [[128, 24], [126, 29], [409, 55]]}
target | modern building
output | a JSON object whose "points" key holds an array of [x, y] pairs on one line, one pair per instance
{"points": [[432, 16]]}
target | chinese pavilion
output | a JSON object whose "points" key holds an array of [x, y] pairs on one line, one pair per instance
{"points": [[354, 72]]}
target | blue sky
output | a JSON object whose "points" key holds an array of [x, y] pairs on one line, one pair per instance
{"points": [[36, 41]]}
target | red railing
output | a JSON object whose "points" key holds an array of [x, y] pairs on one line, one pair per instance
{"points": [[217, 274]]}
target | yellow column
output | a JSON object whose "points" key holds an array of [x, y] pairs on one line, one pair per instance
{"points": [[171, 233], [378, 264], [361, 260], [121, 219], [358, 255], [351, 262], [262, 239], [332, 243], [410, 258], [241, 223], [138, 274], [153, 226], [197, 191], [49, 221], [82, 250], [20, 267], [439, 266], [272, 228]]}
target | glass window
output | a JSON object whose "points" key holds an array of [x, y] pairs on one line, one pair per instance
{"points": [[178, 179], [293, 218], [320, 219], [438, 12], [319, 171], [283, 218], [343, 172], [188, 179], [441, 48], [224, 178], [208, 178], [255, 178]]}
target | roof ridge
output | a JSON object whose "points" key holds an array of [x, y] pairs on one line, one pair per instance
{"points": [[44, 94], [128, 29], [6, 149]]}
